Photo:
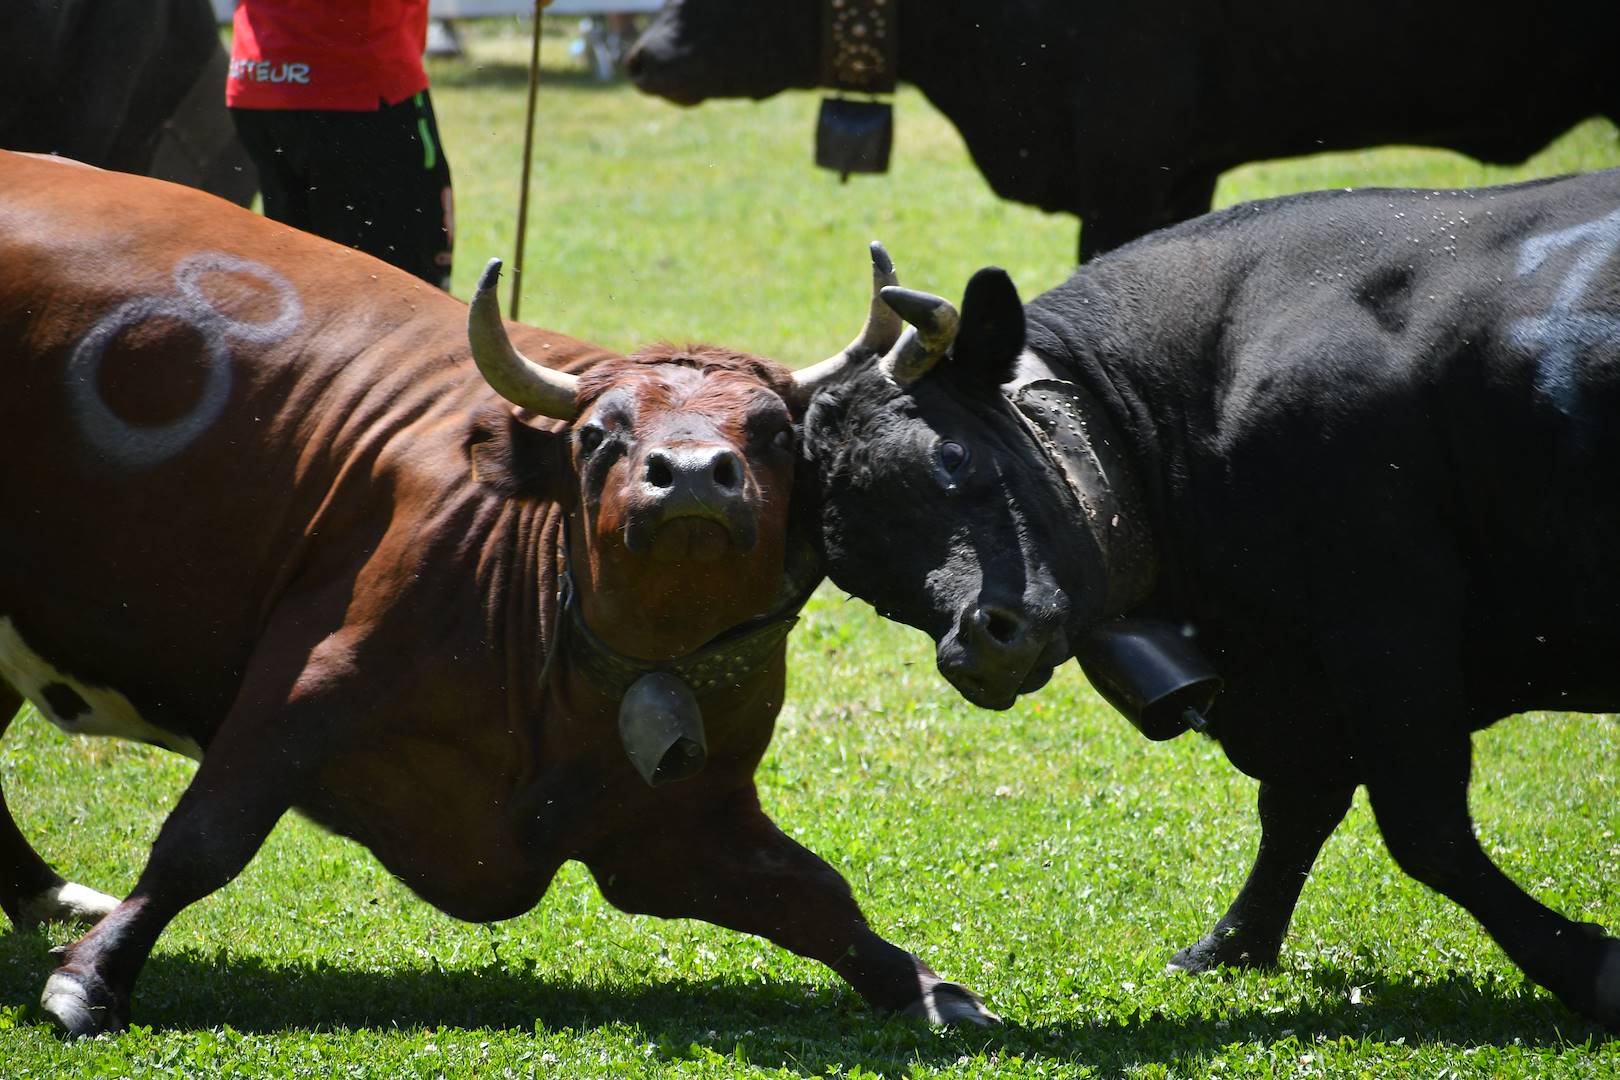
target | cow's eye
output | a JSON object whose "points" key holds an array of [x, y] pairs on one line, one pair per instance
{"points": [[952, 456], [588, 438], [783, 439]]}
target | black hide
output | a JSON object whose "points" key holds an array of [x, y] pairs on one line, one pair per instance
{"points": [[1377, 436], [1126, 113], [137, 87]]}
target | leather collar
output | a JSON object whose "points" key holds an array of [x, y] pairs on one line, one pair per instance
{"points": [[1079, 441], [860, 45]]}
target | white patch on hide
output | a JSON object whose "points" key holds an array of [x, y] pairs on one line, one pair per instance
{"points": [[108, 712], [1028, 367]]}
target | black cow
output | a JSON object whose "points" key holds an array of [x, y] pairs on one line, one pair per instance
{"points": [[1361, 449], [135, 87], [1126, 114]]}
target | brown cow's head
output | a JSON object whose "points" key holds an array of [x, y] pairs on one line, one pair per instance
{"points": [[684, 460], [682, 466]]}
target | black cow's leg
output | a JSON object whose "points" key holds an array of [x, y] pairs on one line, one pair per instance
{"points": [[1136, 205], [1420, 798], [1295, 820], [1191, 196], [30, 891], [731, 866]]}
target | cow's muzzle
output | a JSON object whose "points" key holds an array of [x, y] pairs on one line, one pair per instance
{"points": [[657, 65], [996, 652], [692, 502]]}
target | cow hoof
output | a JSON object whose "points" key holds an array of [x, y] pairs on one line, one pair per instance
{"points": [[77, 1008], [1219, 949], [949, 1004], [64, 902]]}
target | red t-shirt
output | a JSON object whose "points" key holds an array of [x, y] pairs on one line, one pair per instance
{"points": [[326, 54]]}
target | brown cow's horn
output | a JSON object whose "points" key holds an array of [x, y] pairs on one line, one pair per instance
{"points": [[933, 322], [877, 336], [513, 376]]}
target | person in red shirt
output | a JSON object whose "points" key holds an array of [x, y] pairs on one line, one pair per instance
{"points": [[331, 100]]}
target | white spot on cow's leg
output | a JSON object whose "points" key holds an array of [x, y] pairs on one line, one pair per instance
{"points": [[948, 1004], [67, 902], [77, 707]]}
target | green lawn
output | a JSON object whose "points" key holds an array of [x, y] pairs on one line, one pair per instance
{"points": [[1047, 856]]}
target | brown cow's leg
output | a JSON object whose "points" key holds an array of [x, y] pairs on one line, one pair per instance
{"points": [[30, 891], [731, 866], [220, 822], [279, 734]]}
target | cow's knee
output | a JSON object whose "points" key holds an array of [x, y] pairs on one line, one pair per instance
{"points": [[1437, 857], [638, 894], [1422, 811]]}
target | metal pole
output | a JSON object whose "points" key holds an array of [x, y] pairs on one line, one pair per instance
{"points": [[528, 161]]}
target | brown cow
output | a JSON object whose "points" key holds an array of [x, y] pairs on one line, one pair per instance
{"points": [[263, 510]]}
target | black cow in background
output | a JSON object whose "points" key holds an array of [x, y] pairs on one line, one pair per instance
{"points": [[1361, 447], [133, 86], [1127, 113]]}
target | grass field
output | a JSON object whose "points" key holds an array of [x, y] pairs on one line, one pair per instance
{"points": [[1047, 856]]}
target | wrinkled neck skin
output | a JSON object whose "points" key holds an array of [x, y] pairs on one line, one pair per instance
{"points": [[665, 615]]}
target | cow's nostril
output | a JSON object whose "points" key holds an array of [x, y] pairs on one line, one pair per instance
{"points": [[632, 62], [727, 472], [659, 473], [1002, 626]]}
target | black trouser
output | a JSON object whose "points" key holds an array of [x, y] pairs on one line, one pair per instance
{"points": [[377, 181]]}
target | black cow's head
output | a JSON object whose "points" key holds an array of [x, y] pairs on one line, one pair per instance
{"points": [[699, 49], [933, 505]]}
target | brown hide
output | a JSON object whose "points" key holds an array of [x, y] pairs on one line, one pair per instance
{"points": [[332, 490], [336, 484], [260, 505]]}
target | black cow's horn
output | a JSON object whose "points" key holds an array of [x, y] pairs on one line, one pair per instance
{"points": [[514, 376], [933, 322], [877, 336]]}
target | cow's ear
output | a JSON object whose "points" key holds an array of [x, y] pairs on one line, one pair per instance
{"points": [[991, 334], [520, 459]]}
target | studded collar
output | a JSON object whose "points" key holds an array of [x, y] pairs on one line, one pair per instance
{"points": [[860, 45]]}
